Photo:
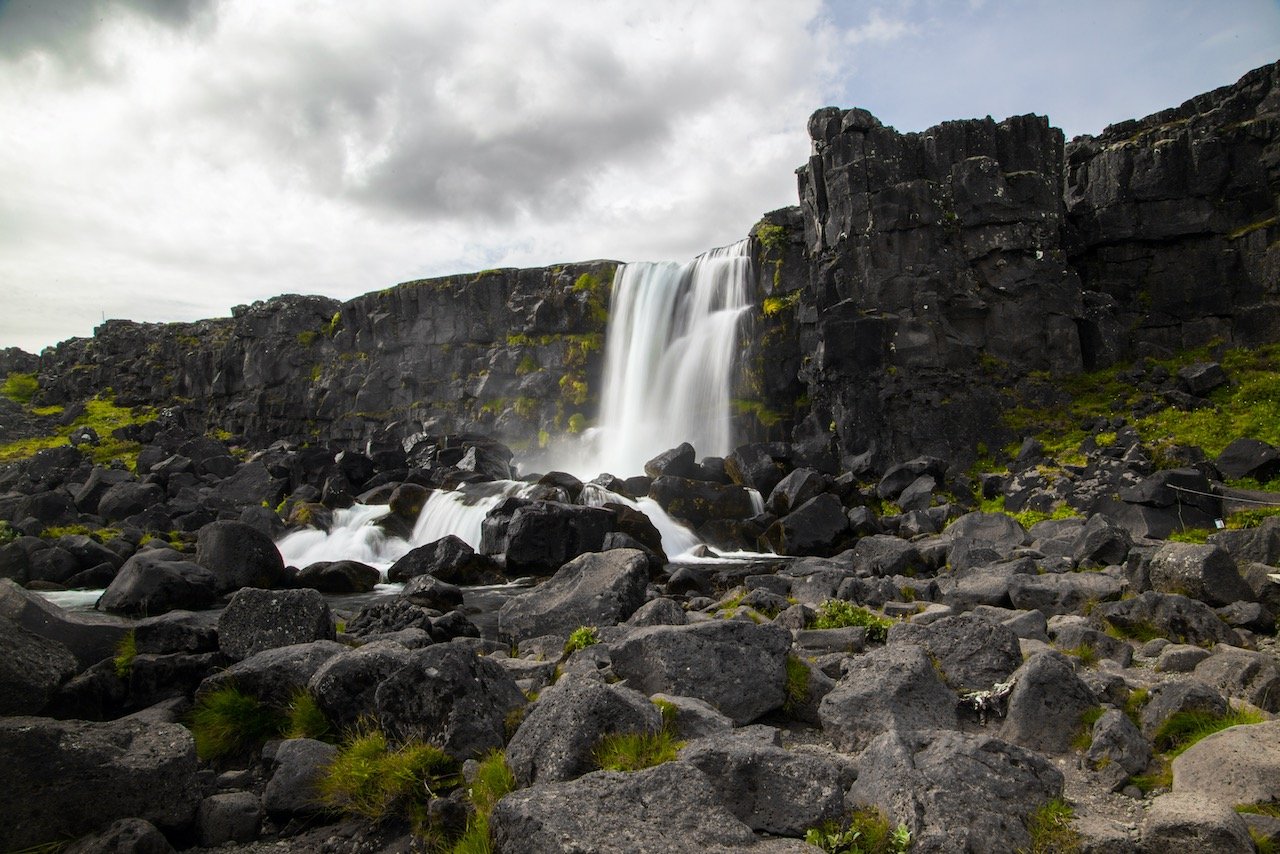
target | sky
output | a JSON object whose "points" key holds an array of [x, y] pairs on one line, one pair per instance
{"points": [[165, 160]]}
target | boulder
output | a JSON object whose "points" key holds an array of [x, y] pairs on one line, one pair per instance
{"points": [[1199, 571], [664, 810], [250, 485], [300, 765], [771, 789], [383, 618], [1251, 676], [1115, 739], [451, 697], [890, 689], [900, 476], [738, 667], [816, 527], [1045, 708], [760, 466], [1189, 824], [1101, 542], [698, 501], [228, 817], [1249, 458], [239, 555], [676, 462], [427, 591], [274, 675], [90, 637], [1063, 593], [256, 620], [64, 779], [884, 555], [339, 576], [994, 529], [128, 499], [601, 589], [449, 559], [795, 489], [1240, 765], [1179, 695], [1175, 617], [544, 535], [973, 654], [31, 669], [159, 580], [123, 836], [954, 791], [344, 685], [556, 739]]}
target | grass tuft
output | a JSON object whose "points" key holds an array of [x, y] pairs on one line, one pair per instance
{"points": [[581, 638], [126, 652], [797, 685], [1051, 831], [371, 779], [306, 719], [227, 722], [865, 831], [1184, 729], [20, 388], [635, 751], [838, 614]]}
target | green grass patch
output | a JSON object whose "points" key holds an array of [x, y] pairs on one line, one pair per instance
{"points": [[1051, 831], [7, 533], [1084, 737], [103, 416], [305, 718], [228, 722], [1267, 808], [775, 306], [839, 614], [581, 638], [126, 652], [797, 684], [865, 831], [1190, 535], [1139, 630], [1085, 653], [1183, 729], [20, 388], [635, 751], [1134, 703], [1026, 518], [372, 779]]}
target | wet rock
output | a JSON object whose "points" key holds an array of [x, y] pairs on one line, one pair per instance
{"points": [[338, 576], [159, 580], [698, 502], [256, 620], [817, 527], [427, 591], [545, 535], [676, 462], [239, 555], [344, 685], [31, 669], [449, 559]]}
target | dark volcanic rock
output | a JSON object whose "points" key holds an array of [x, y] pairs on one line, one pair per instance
{"points": [[256, 620], [600, 589], [239, 555], [544, 535], [339, 576], [63, 779], [31, 669], [275, 675], [158, 580], [448, 559]]}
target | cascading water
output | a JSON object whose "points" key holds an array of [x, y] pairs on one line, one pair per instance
{"points": [[669, 358]]}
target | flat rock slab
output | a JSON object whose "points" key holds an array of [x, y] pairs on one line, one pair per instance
{"points": [[1240, 765], [595, 589], [1189, 824]]}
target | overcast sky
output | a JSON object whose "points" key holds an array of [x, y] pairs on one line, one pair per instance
{"points": [[168, 159]]}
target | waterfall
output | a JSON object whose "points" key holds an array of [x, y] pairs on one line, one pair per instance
{"points": [[669, 358]]}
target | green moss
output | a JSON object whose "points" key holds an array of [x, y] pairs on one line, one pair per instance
{"points": [[528, 365], [20, 388], [1084, 735], [1139, 630], [1252, 227], [1085, 653], [775, 306], [670, 713], [103, 416], [308, 337], [525, 407], [577, 422], [581, 638], [7, 533], [838, 614], [574, 390], [772, 237], [765, 416], [1051, 831]]}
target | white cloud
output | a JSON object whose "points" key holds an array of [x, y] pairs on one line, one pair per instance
{"points": [[878, 28]]}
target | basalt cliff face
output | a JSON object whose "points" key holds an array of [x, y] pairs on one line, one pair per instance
{"points": [[926, 282]]}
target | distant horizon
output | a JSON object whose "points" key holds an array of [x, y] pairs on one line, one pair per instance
{"points": [[169, 161]]}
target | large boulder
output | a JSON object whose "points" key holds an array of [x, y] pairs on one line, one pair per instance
{"points": [[451, 697], [890, 689], [700, 501], [1189, 824], [1172, 616], [64, 779], [954, 791], [760, 466], [816, 527], [1200, 571], [544, 535], [770, 789], [344, 686], [300, 766], [600, 589], [159, 580], [31, 669], [556, 739], [448, 559], [1047, 704], [274, 675], [1251, 676], [670, 809], [1249, 458], [737, 667], [338, 576], [1063, 593], [1240, 765], [129, 499], [256, 620], [972, 653], [239, 555], [90, 637], [795, 489]]}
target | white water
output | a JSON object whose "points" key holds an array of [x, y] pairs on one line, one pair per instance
{"points": [[676, 538], [669, 359]]}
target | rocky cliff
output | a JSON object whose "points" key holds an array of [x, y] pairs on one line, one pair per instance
{"points": [[926, 282]]}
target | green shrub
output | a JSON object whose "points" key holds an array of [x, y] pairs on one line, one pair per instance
{"points": [[20, 388], [635, 751], [227, 721], [7, 533], [373, 780], [581, 638], [837, 614], [866, 831], [126, 652], [1051, 831], [797, 685]]}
